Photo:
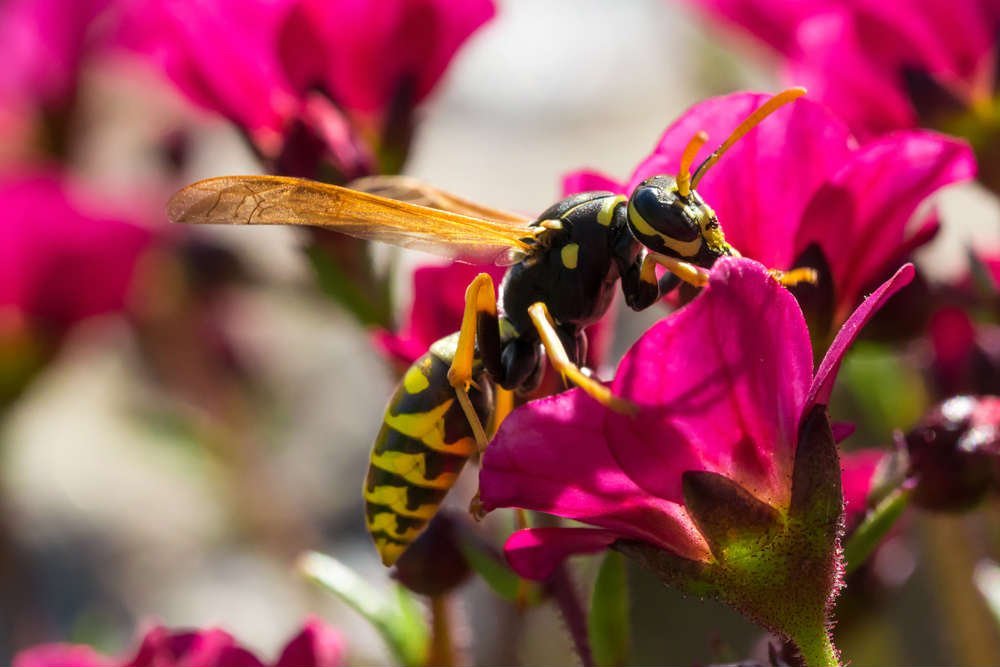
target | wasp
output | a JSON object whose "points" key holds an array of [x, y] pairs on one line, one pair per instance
{"points": [[564, 268]]}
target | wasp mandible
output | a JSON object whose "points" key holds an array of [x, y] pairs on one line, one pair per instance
{"points": [[564, 266]]}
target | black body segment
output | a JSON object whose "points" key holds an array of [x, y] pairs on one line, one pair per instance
{"points": [[421, 448]]}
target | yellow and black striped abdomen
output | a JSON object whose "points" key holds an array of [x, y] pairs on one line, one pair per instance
{"points": [[421, 448]]}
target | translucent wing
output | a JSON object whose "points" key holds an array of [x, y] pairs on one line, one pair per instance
{"points": [[277, 200], [415, 191]]}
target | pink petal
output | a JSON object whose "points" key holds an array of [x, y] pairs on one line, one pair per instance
{"points": [[842, 430], [43, 43], [317, 645], [771, 21], [60, 655], [822, 383], [839, 71], [234, 73], [536, 552], [954, 41], [587, 180], [61, 261], [857, 471], [367, 54], [762, 185], [860, 217], [722, 383], [552, 455], [212, 647]]}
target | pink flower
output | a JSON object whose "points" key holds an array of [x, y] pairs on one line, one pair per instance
{"points": [[43, 44], [857, 474], [879, 65], [61, 259], [800, 178], [724, 386], [312, 83], [372, 56], [316, 645]]}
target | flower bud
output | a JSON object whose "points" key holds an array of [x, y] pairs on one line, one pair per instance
{"points": [[434, 564], [953, 453]]}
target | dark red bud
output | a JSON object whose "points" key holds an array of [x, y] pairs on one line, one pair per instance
{"points": [[953, 453], [434, 564]]}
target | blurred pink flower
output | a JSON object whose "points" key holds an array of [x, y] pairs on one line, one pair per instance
{"points": [[857, 474], [61, 260], [316, 645], [311, 82], [733, 408], [800, 178], [878, 64], [43, 44]]}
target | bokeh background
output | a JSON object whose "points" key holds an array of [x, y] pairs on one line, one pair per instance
{"points": [[125, 500]]}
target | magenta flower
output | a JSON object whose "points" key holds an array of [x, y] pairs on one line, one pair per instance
{"points": [[857, 475], [879, 65], [731, 450], [800, 178], [316, 645], [43, 44], [734, 409], [62, 260], [314, 84]]}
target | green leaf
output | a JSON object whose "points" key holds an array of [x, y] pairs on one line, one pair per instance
{"points": [[497, 575], [888, 392], [874, 528], [399, 621], [608, 625]]}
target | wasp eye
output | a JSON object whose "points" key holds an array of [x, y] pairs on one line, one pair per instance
{"points": [[661, 209]]}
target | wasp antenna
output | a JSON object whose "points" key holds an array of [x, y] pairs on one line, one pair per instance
{"points": [[751, 121], [687, 158]]}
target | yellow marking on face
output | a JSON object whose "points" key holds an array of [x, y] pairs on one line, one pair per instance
{"points": [[607, 211], [395, 498], [418, 424], [570, 255], [385, 522], [682, 248], [412, 468], [415, 380], [389, 551]]}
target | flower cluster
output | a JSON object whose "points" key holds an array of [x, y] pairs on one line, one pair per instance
{"points": [[320, 88], [316, 645]]}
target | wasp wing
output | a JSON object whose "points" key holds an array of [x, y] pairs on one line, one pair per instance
{"points": [[277, 200], [415, 191]]}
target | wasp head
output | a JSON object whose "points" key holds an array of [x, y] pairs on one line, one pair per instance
{"points": [[669, 223]]}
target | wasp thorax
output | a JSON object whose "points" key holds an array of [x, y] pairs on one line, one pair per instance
{"points": [[680, 226]]}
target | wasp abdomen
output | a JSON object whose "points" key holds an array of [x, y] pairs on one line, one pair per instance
{"points": [[421, 448]]}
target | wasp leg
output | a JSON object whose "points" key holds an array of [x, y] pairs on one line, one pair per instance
{"points": [[795, 276], [480, 299], [686, 271], [557, 354]]}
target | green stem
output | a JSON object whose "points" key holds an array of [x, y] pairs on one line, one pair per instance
{"points": [[875, 527], [817, 649]]}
